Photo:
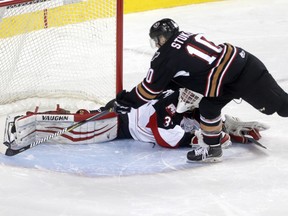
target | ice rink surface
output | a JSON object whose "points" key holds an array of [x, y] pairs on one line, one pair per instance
{"points": [[133, 178]]}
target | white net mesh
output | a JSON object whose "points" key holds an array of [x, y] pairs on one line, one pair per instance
{"points": [[58, 49]]}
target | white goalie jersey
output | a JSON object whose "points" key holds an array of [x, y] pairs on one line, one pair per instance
{"points": [[37, 125]]}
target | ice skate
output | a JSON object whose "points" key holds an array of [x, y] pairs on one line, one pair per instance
{"points": [[207, 153]]}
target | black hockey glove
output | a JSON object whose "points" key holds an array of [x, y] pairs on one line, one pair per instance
{"points": [[121, 106]]}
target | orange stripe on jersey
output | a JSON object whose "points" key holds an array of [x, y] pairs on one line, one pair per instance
{"points": [[219, 71], [207, 128], [144, 94]]}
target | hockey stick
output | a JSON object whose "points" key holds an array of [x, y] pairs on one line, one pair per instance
{"points": [[11, 152], [251, 139]]}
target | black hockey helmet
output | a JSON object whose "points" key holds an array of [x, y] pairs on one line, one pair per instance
{"points": [[165, 27]]}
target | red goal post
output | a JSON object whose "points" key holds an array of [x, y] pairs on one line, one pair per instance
{"points": [[61, 49]]}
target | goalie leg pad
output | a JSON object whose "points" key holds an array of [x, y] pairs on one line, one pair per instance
{"points": [[238, 129], [33, 127]]}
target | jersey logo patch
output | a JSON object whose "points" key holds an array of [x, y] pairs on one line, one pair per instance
{"points": [[170, 109], [242, 54], [182, 73], [262, 109]]}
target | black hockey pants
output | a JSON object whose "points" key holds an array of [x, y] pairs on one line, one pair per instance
{"points": [[256, 86]]}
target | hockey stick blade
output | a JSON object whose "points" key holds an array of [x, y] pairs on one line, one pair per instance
{"points": [[251, 139], [11, 152]]}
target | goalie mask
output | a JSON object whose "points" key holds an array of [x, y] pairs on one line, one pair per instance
{"points": [[162, 29], [188, 100]]}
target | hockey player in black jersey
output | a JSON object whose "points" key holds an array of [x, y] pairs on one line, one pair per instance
{"points": [[220, 73]]}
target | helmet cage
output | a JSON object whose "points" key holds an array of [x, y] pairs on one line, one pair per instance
{"points": [[188, 100]]}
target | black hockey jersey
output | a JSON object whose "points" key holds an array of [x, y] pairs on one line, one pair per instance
{"points": [[193, 62]]}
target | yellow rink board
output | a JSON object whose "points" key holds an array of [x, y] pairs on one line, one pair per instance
{"points": [[131, 6], [58, 16]]}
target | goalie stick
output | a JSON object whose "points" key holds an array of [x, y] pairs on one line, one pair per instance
{"points": [[11, 152], [251, 139]]}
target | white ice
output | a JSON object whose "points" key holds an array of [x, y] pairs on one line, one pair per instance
{"points": [[250, 181]]}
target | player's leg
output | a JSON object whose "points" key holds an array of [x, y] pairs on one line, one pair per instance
{"points": [[211, 131], [283, 110], [267, 96], [257, 87]]}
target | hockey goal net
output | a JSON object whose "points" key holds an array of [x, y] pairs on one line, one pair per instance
{"points": [[60, 49]]}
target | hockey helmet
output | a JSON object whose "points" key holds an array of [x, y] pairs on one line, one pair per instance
{"points": [[164, 27]]}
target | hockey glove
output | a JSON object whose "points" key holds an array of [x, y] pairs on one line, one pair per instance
{"points": [[108, 106], [121, 106]]}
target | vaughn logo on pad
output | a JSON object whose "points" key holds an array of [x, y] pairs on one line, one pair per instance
{"points": [[55, 117]]}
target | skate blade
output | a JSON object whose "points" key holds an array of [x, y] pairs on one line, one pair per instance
{"points": [[208, 160]]}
